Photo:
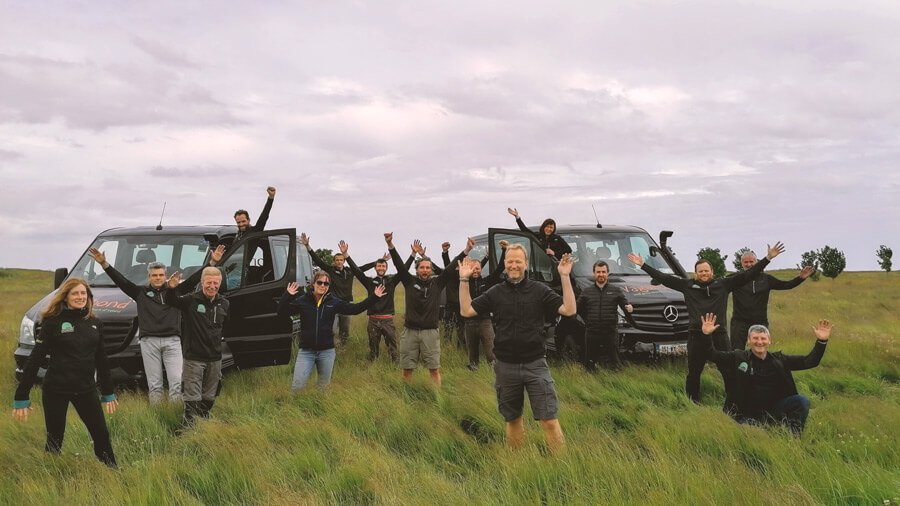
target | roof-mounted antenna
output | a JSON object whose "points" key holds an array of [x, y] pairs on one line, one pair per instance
{"points": [[159, 227], [595, 216]]}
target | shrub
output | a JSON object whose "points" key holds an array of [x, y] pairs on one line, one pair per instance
{"points": [[832, 261], [884, 255]]}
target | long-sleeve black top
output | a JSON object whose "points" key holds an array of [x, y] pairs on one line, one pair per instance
{"points": [[260, 222], [203, 321], [155, 317], [742, 364], [556, 243], [751, 300], [422, 295], [384, 305], [341, 279], [710, 297], [74, 342]]}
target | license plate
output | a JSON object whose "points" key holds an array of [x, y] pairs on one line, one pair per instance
{"points": [[672, 350]]}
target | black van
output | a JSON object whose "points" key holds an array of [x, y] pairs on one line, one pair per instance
{"points": [[257, 269], [658, 326]]}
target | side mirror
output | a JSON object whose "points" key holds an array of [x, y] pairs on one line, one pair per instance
{"points": [[59, 275], [654, 251]]}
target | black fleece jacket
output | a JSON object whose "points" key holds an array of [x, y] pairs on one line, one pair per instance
{"points": [[341, 280], [422, 296], [556, 243], [740, 364], [383, 305], [155, 317], [710, 297], [74, 342], [751, 301], [202, 321]]}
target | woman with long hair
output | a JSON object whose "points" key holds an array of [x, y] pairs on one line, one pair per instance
{"points": [[546, 236], [73, 338], [317, 309]]}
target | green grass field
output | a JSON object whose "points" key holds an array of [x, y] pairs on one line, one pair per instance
{"points": [[633, 437]]}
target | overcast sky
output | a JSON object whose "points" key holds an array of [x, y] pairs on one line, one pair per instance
{"points": [[732, 124]]}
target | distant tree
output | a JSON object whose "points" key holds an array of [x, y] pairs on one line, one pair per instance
{"points": [[832, 261], [715, 258], [737, 257], [325, 254], [810, 258], [884, 255]]}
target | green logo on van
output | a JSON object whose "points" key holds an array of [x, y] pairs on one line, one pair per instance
{"points": [[66, 327]]}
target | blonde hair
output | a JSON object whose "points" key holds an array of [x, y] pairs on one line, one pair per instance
{"points": [[58, 302], [517, 247], [210, 272]]}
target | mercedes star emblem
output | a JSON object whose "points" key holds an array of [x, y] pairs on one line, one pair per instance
{"points": [[670, 313]]}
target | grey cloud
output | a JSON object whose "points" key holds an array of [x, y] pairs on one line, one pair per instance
{"points": [[193, 172], [164, 54], [8, 155]]}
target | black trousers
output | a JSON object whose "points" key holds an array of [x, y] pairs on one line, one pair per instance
{"points": [[88, 407], [698, 353], [602, 345]]}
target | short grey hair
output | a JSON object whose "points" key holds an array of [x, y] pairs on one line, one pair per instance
{"points": [[758, 329], [518, 247], [746, 252], [152, 266]]}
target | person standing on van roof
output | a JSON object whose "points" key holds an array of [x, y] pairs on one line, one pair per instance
{"points": [[203, 316], [520, 307], [763, 389], [73, 337], [547, 237], [341, 279], [751, 301], [702, 295], [381, 313], [242, 217], [159, 324], [317, 309], [597, 306], [421, 338]]}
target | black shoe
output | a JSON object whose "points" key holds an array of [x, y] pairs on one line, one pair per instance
{"points": [[472, 367]]}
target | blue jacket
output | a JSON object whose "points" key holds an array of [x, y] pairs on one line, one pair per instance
{"points": [[317, 319]]}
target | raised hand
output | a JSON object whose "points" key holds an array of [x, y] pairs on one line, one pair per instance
{"points": [[304, 239], [379, 291], [293, 287], [98, 256], [504, 243], [823, 330], [389, 238], [418, 248], [636, 259], [466, 267], [565, 265], [386, 256], [445, 246], [111, 406], [807, 271], [776, 250], [513, 211], [470, 245], [708, 323], [216, 256], [271, 191], [343, 247], [174, 280]]}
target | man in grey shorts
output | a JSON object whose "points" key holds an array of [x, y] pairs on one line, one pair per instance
{"points": [[420, 339], [520, 307]]}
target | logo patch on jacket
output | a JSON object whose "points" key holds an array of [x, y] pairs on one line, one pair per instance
{"points": [[201, 308], [66, 327], [743, 367], [150, 294]]}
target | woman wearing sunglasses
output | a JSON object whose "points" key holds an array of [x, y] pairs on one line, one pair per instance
{"points": [[317, 309]]}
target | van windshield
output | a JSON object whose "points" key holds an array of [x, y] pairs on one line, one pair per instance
{"points": [[613, 248], [131, 255]]}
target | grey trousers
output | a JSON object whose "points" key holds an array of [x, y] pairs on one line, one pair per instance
{"points": [[160, 353], [200, 380]]}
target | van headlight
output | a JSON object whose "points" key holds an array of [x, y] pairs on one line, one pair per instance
{"points": [[26, 331], [622, 321]]}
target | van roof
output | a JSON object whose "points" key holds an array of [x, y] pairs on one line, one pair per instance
{"points": [[196, 230]]}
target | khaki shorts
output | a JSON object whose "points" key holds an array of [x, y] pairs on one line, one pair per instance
{"points": [[420, 344]]}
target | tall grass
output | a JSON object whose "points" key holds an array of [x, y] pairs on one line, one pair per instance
{"points": [[372, 439]]}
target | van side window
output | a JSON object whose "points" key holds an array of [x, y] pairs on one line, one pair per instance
{"points": [[268, 262]]}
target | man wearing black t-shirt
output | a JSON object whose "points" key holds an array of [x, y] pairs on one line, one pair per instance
{"points": [[520, 306]]}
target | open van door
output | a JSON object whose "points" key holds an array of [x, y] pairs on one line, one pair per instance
{"points": [[257, 270], [540, 266]]}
